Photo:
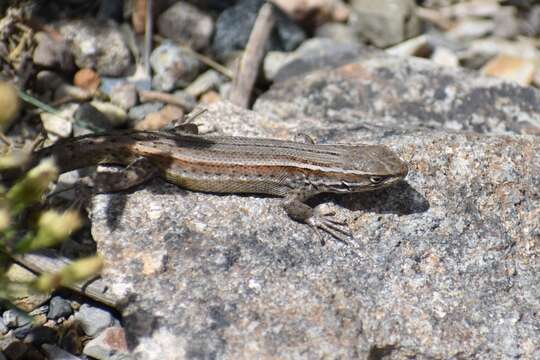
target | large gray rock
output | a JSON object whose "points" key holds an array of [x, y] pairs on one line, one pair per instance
{"points": [[315, 53], [390, 94], [443, 265]]}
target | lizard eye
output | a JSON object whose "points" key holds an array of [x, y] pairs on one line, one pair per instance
{"points": [[376, 179]]}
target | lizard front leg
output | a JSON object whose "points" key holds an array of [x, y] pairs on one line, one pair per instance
{"points": [[316, 217]]}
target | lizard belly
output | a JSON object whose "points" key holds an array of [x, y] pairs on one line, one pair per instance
{"points": [[227, 184]]}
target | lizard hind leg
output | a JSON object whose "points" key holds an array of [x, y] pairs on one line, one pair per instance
{"points": [[136, 173]]}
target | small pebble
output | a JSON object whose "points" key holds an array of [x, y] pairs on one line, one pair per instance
{"points": [[93, 320], [90, 116], [59, 308], [18, 350], [48, 81], [14, 318], [225, 89], [87, 79], [314, 12], [22, 331], [39, 310], [444, 56], [139, 112], [57, 125], [206, 81], [3, 328], [185, 100], [53, 352], [160, 119], [174, 67], [41, 335], [116, 115], [97, 44], [337, 31], [511, 68], [111, 342], [52, 53], [124, 95], [385, 22], [210, 97], [234, 25], [186, 24], [108, 84], [72, 338]]}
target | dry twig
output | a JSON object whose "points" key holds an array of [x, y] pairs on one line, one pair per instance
{"points": [[250, 63], [147, 96], [202, 58]]}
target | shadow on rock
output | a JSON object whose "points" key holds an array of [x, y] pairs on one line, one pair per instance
{"points": [[400, 199]]}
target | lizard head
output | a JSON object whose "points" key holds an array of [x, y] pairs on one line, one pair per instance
{"points": [[381, 165], [363, 168]]}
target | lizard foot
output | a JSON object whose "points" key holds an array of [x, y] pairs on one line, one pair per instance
{"points": [[324, 219]]}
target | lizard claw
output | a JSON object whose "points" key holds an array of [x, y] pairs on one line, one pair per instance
{"points": [[325, 221]]}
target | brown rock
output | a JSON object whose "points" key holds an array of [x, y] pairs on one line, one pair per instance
{"points": [[110, 342], [87, 79], [210, 97], [511, 68], [158, 120], [316, 11]]}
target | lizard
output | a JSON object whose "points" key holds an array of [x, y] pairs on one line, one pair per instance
{"points": [[293, 170]]}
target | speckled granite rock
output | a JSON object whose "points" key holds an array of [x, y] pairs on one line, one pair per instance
{"points": [[97, 44], [399, 93], [444, 265]]}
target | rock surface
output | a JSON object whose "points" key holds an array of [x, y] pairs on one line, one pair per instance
{"points": [[383, 92], [316, 53], [442, 265]]}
